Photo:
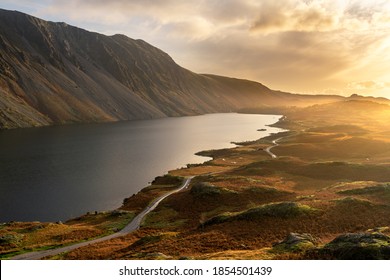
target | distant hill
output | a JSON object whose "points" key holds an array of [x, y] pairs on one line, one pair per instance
{"points": [[54, 73]]}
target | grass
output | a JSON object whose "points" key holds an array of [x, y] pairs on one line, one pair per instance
{"points": [[380, 192], [329, 179], [37, 236], [352, 202], [107, 220], [163, 218], [275, 210], [382, 188], [201, 189], [6, 256]]}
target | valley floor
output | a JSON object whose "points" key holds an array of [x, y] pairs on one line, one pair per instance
{"points": [[325, 196]]}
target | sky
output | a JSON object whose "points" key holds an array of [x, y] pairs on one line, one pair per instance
{"points": [[304, 46]]}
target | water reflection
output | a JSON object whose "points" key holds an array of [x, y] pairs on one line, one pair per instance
{"points": [[56, 173]]}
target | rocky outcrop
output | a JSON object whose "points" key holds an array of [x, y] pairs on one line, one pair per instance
{"points": [[370, 245], [359, 246], [296, 242]]}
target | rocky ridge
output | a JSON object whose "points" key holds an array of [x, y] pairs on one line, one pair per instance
{"points": [[54, 73]]}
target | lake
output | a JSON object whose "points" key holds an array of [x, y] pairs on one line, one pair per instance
{"points": [[61, 172]]}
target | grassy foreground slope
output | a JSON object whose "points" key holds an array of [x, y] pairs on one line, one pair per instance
{"points": [[326, 195]]}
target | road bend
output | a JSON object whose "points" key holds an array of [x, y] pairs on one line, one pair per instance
{"points": [[129, 228]]}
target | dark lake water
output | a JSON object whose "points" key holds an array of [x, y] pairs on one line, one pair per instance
{"points": [[57, 173]]}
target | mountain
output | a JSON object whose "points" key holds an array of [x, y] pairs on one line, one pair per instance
{"points": [[54, 73]]}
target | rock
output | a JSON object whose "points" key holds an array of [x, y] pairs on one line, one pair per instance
{"points": [[359, 239], [157, 256], [296, 242], [36, 227], [359, 246], [184, 258], [118, 213], [9, 239], [294, 238], [244, 247], [379, 229]]}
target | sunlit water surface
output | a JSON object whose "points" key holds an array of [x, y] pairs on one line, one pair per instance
{"points": [[61, 172]]}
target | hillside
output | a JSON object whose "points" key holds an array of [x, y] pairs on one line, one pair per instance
{"points": [[325, 195], [54, 73]]}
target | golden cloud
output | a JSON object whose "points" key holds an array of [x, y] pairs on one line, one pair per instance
{"points": [[368, 85], [301, 45]]}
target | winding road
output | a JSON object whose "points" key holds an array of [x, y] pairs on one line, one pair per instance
{"points": [[275, 144], [132, 226]]}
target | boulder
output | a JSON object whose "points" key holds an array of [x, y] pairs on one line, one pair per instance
{"points": [[157, 256], [296, 242], [359, 246]]}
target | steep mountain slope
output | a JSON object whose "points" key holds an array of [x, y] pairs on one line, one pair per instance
{"points": [[53, 73]]}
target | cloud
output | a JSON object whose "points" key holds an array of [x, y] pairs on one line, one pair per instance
{"points": [[281, 16], [266, 16], [198, 29], [297, 61], [321, 16], [368, 85]]}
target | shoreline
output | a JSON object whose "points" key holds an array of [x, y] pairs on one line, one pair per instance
{"points": [[132, 226], [135, 223], [331, 177], [126, 182], [202, 154], [147, 188]]}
